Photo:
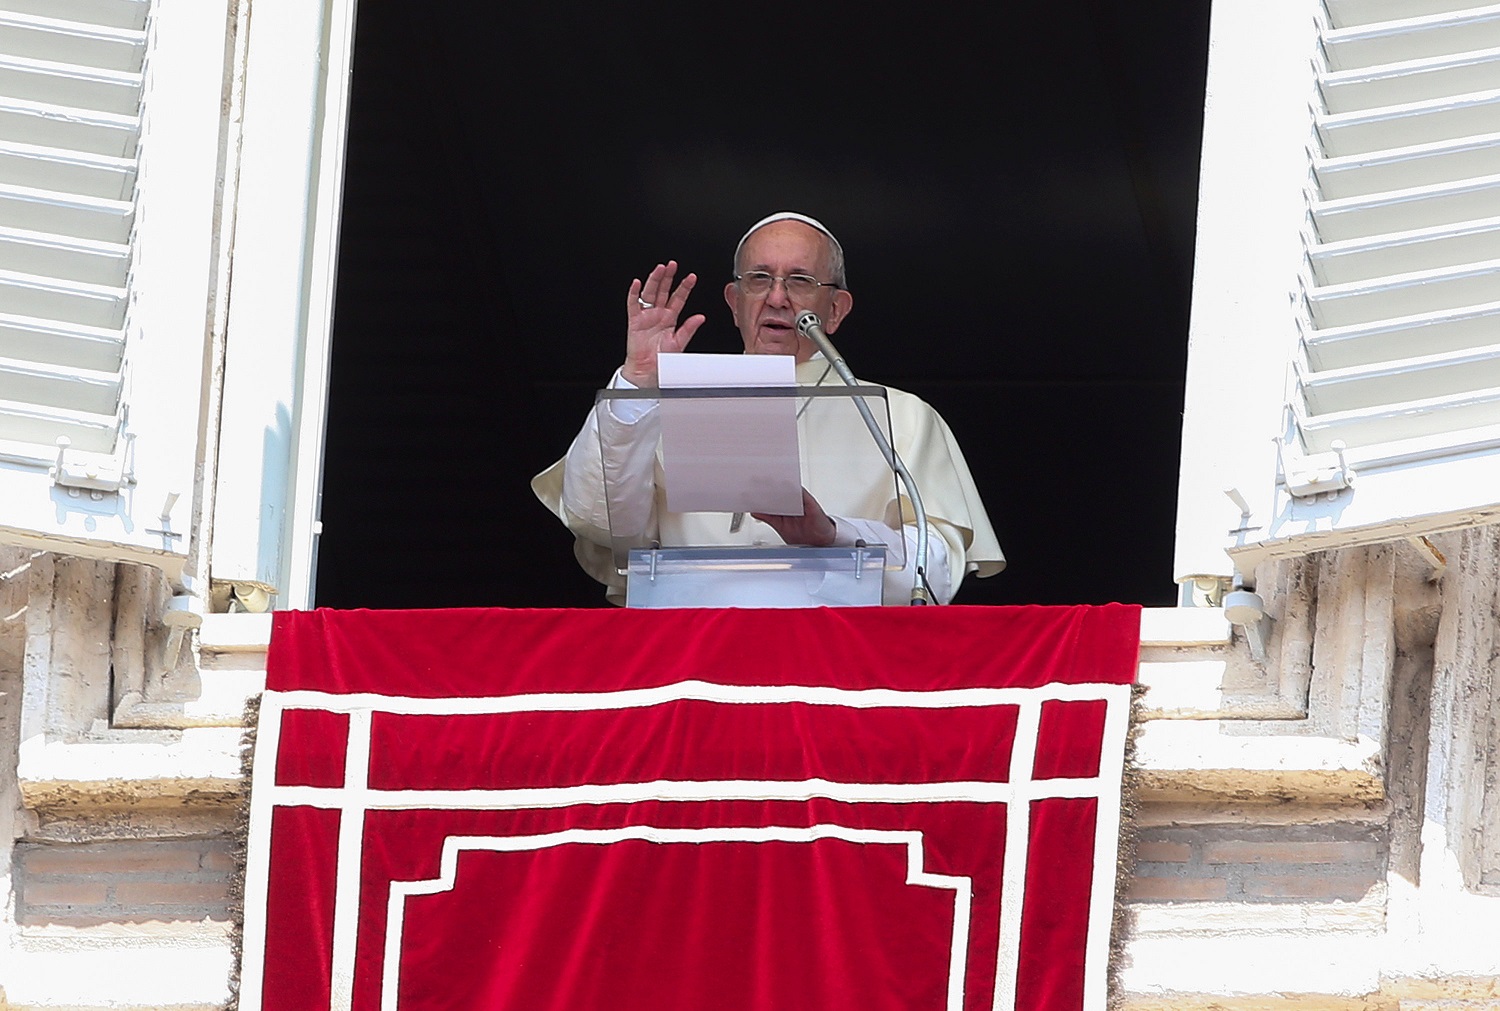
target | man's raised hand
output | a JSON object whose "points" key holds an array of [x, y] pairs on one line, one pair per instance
{"points": [[651, 311]]}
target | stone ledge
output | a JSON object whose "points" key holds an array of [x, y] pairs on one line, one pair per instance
{"points": [[1219, 726], [1284, 970], [220, 703], [1222, 759], [231, 671], [235, 633], [1184, 626], [1173, 1001], [172, 973], [131, 768], [1223, 919]]}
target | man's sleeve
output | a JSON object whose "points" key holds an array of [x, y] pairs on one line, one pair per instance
{"points": [[899, 582], [954, 509], [615, 450]]}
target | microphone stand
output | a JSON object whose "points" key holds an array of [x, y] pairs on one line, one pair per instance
{"points": [[811, 327]]}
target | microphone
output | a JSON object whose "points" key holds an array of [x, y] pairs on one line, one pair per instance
{"points": [[810, 325]]}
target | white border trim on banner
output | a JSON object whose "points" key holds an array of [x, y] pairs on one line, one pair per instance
{"points": [[962, 887]]}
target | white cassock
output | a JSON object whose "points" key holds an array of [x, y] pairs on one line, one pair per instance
{"points": [[861, 499]]}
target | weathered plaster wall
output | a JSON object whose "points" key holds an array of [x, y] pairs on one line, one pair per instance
{"points": [[1341, 861], [136, 880], [116, 844], [1347, 853]]}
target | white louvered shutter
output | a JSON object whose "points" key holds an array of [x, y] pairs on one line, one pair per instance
{"points": [[109, 138], [1390, 414]]}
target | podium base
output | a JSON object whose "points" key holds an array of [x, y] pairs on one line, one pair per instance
{"points": [[755, 577]]}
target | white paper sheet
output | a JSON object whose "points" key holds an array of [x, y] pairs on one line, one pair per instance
{"points": [[730, 454]]}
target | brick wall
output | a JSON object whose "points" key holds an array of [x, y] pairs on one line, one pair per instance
{"points": [[1250, 863], [127, 881]]}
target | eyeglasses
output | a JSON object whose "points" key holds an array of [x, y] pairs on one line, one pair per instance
{"points": [[799, 286]]}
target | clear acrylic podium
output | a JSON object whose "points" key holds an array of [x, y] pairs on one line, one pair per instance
{"points": [[720, 558]]}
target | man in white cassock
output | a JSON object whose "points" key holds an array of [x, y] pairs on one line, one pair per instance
{"points": [[785, 264]]}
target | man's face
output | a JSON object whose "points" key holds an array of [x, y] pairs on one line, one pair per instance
{"points": [[768, 322]]}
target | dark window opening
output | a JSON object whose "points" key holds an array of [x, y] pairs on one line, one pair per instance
{"points": [[1015, 188]]}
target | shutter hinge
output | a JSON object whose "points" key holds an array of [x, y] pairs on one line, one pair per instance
{"points": [[94, 472], [1310, 476]]}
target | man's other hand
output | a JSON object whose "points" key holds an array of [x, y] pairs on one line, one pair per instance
{"points": [[814, 527], [651, 311]]}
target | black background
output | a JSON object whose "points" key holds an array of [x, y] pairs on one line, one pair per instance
{"points": [[1014, 185]]}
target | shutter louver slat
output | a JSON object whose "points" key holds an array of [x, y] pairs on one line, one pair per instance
{"points": [[1421, 80], [1406, 210], [63, 257], [1351, 13], [22, 423], [1409, 124], [54, 343], [104, 13], [1403, 420], [1402, 295], [1443, 33], [77, 42], [66, 214], [94, 392], [82, 175], [71, 80], [70, 85], [89, 304], [1390, 340], [79, 130], [1433, 376], [1423, 249], [1407, 168]]}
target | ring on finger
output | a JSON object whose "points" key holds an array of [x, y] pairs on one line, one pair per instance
{"points": [[644, 303]]}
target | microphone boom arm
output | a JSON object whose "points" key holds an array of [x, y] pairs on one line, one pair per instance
{"points": [[811, 327]]}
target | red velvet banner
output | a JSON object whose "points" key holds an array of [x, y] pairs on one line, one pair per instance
{"points": [[877, 809]]}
